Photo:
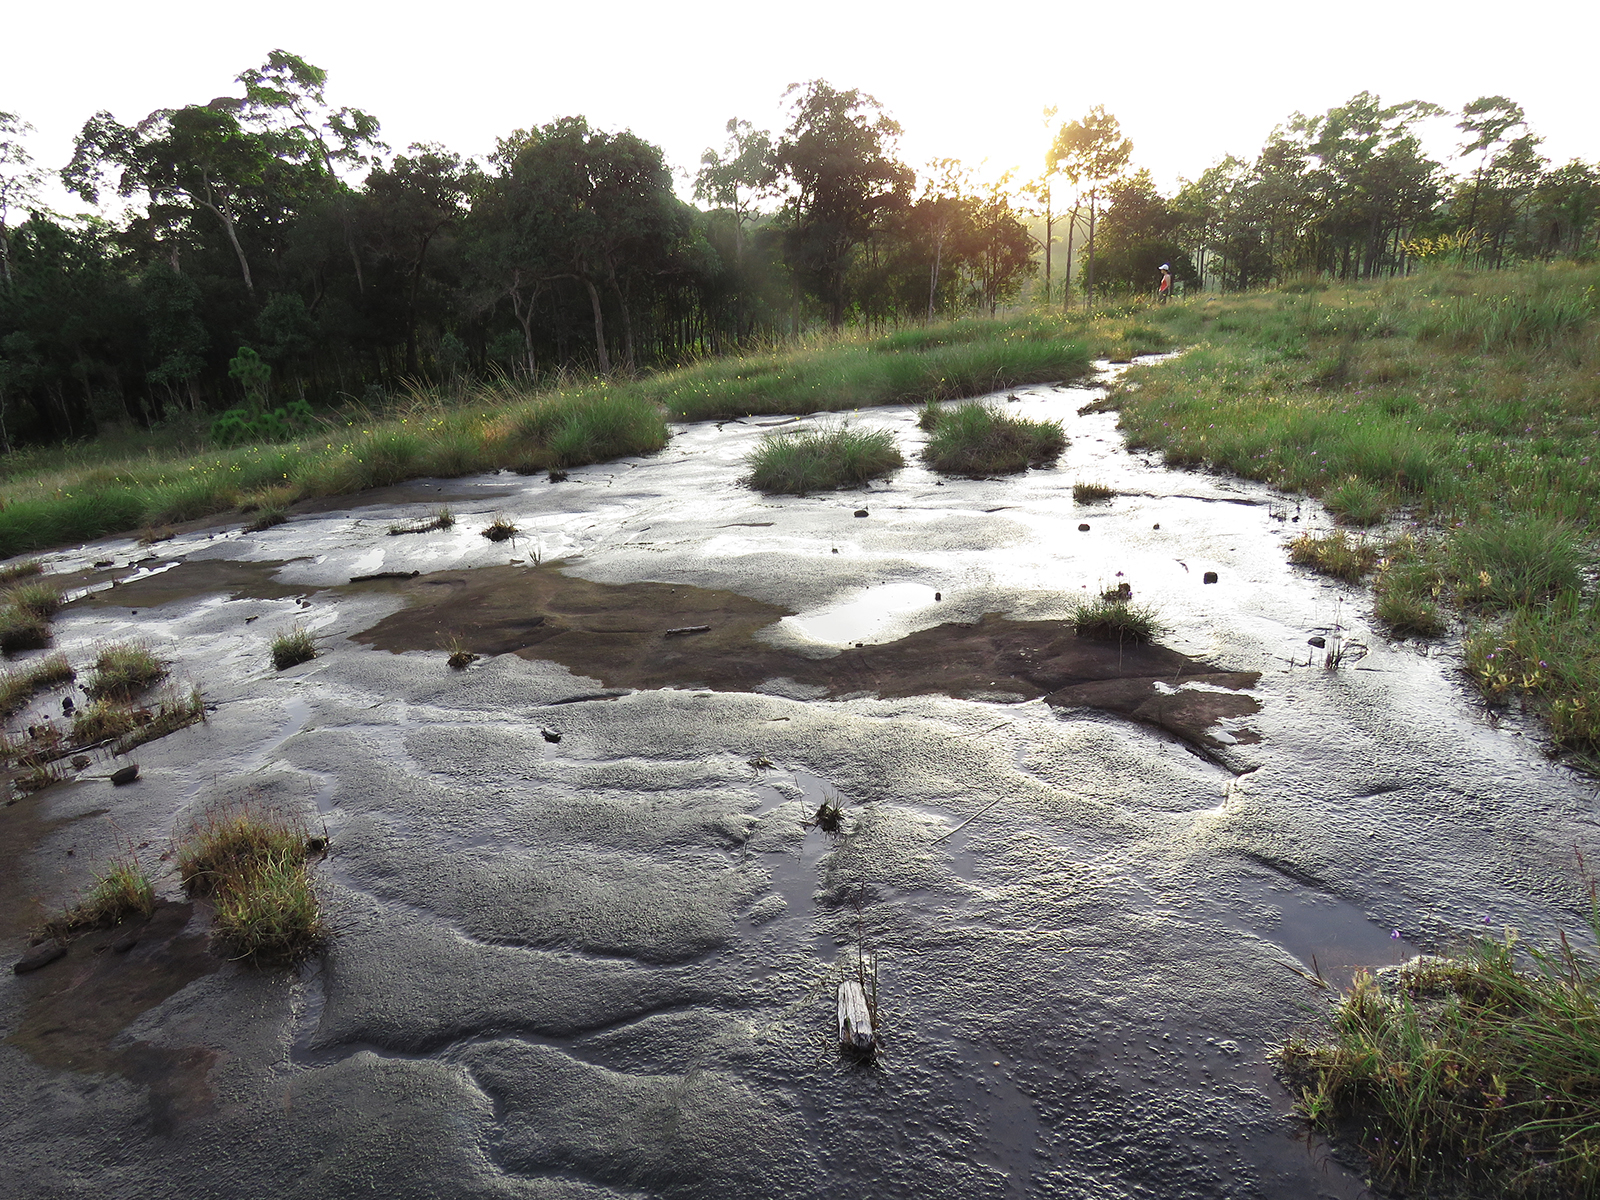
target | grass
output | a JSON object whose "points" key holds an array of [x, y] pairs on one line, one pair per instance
{"points": [[1091, 493], [500, 530], [459, 657], [255, 866], [266, 518], [123, 671], [12, 572], [52, 496], [1477, 1072], [976, 439], [21, 631], [123, 891], [293, 648], [1468, 399], [20, 686], [1116, 619], [822, 459], [1336, 554], [443, 519]]}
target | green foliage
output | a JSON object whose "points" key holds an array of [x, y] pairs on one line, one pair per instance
{"points": [[1478, 1071], [241, 425], [123, 671], [254, 865], [252, 374], [1336, 554], [1357, 501], [822, 459], [124, 891], [293, 648], [977, 439], [1115, 620]]}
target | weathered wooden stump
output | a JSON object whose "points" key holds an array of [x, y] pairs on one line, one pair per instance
{"points": [[855, 1019]]}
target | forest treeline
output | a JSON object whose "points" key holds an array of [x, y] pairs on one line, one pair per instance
{"points": [[261, 253]]}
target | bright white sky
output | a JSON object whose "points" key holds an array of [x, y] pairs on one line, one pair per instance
{"points": [[1190, 81]]}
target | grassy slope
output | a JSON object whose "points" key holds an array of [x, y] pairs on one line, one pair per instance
{"points": [[1468, 402], [58, 496]]}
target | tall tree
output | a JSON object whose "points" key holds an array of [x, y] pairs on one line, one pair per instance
{"points": [[1091, 153], [838, 156], [20, 181], [1486, 121]]}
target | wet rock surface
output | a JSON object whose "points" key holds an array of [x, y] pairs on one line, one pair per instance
{"points": [[607, 965]]}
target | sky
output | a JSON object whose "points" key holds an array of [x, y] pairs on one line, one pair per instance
{"points": [[1190, 82]]}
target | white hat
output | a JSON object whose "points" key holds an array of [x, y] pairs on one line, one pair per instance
{"points": [[1166, 266]]}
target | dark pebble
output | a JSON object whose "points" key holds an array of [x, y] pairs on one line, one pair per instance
{"points": [[1209, 577], [861, 512], [40, 956], [1083, 528], [1319, 642], [938, 595], [125, 775], [1157, 525], [550, 737], [836, 549]]}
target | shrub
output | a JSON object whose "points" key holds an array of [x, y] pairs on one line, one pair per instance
{"points": [[976, 439], [120, 672], [293, 648], [1115, 620], [822, 459]]}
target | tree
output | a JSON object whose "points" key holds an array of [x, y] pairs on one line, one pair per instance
{"points": [[19, 182], [1139, 233], [1486, 121], [999, 250], [734, 180], [1091, 153], [838, 156]]}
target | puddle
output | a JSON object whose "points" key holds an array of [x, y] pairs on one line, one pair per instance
{"points": [[865, 618], [1332, 937]]}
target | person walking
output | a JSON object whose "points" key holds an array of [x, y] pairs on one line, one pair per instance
{"points": [[1165, 290]]}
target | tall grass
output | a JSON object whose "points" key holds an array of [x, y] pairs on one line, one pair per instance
{"points": [[1476, 1073], [255, 865], [816, 460], [978, 439], [1466, 399], [19, 686]]}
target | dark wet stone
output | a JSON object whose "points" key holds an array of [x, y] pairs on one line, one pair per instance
{"points": [[861, 512], [938, 596], [550, 736], [67, 705], [1319, 642], [1157, 525], [41, 955], [1083, 527], [125, 775], [1209, 577]]}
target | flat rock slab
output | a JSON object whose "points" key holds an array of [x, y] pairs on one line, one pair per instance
{"points": [[620, 635]]}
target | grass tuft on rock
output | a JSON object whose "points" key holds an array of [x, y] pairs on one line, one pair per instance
{"points": [[123, 892], [822, 459], [1336, 554], [255, 866], [1089, 492], [977, 439], [123, 671], [293, 648], [20, 686], [12, 572], [443, 519], [1115, 620], [1477, 1073], [500, 530]]}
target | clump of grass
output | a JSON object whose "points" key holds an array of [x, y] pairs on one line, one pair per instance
{"points": [[460, 657], [104, 720], [500, 530], [975, 439], [1519, 561], [293, 648], [161, 533], [12, 572], [124, 891], [254, 865], [41, 600], [18, 687], [1407, 591], [1357, 501], [1091, 493], [266, 518], [1546, 655], [443, 519], [1336, 554], [123, 671], [1479, 1070], [822, 459], [928, 416], [1115, 620], [171, 715], [830, 814], [21, 630]]}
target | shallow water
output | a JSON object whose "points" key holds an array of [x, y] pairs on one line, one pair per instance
{"points": [[605, 965]]}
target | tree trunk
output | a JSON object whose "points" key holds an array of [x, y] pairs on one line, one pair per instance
{"points": [[1089, 304], [221, 214], [601, 356]]}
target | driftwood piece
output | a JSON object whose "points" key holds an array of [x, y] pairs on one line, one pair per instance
{"points": [[686, 629], [855, 1018]]}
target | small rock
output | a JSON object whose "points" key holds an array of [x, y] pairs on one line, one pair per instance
{"points": [[550, 737], [1083, 527], [67, 705], [1157, 525], [1319, 642], [836, 549], [938, 596], [125, 775], [938, 483], [316, 845], [861, 512], [40, 956], [1209, 577], [80, 761], [133, 612]]}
